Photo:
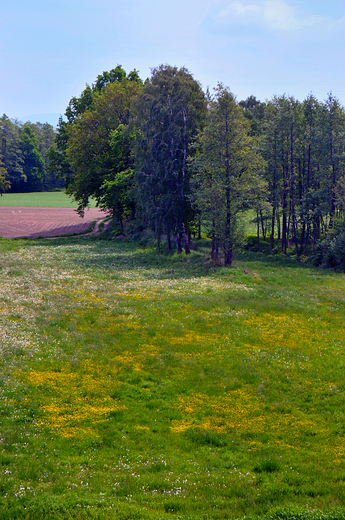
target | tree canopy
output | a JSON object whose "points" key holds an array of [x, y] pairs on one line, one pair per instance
{"points": [[91, 148], [84, 155], [168, 114]]}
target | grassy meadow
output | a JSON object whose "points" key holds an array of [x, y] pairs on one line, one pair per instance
{"points": [[41, 199], [140, 386]]}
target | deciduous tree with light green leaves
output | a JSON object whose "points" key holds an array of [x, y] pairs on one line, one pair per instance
{"points": [[227, 179], [82, 156], [91, 149], [117, 193]]}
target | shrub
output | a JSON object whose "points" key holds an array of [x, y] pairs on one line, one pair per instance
{"points": [[330, 253]]}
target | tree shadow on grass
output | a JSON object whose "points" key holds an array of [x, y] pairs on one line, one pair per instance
{"points": [[125, 255], [281, 261]]}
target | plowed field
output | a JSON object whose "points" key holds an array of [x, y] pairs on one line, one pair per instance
{"points": [[17, 222]]}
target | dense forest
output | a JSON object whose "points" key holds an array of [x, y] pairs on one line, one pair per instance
{"points": [[166, 158], [23, 156]]}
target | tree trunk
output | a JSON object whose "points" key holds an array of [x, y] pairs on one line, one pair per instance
{"points": [[120, 219], [228, 255], [331, 150], [216, 256], [258, 228], [275, 195], [185, 240], [213, 242], [285, 204], [228, 238], [284, 233], [292, 187], [178, 243], [301, 249], [263, 226], [272, 229], [278, 226]]}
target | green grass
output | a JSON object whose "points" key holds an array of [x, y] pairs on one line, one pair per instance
{"points": [[139, 386], [50, 199]]}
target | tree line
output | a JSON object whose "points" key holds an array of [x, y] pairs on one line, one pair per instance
{"points": [[162, 154], [23, 156], [165, 156], [303, 144]]}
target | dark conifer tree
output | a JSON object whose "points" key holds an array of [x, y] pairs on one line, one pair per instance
{"points": [[168, 115]]}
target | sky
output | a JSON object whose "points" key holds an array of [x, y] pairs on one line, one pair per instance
{"points": [[50, 49]]}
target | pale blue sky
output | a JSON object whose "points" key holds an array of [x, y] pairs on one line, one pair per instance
{"points": [[49, 49]]}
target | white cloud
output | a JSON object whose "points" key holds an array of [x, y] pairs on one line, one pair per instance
{"points": [[279, 15], [243, 9], [237, 10], [275, 15]]}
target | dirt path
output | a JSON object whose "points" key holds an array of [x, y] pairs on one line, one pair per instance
{"points": [[96, 229]]}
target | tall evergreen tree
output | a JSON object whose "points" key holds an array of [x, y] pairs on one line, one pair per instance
{"points": [[168, 115], [227, 180]]}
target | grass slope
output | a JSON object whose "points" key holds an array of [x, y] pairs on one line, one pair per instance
{"points": [[137, 386], [50, 199]]}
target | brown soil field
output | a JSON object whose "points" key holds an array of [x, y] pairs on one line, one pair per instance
{"points": [[28, 222]]}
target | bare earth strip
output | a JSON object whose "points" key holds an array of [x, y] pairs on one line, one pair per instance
{"points": [[18, 222]]}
